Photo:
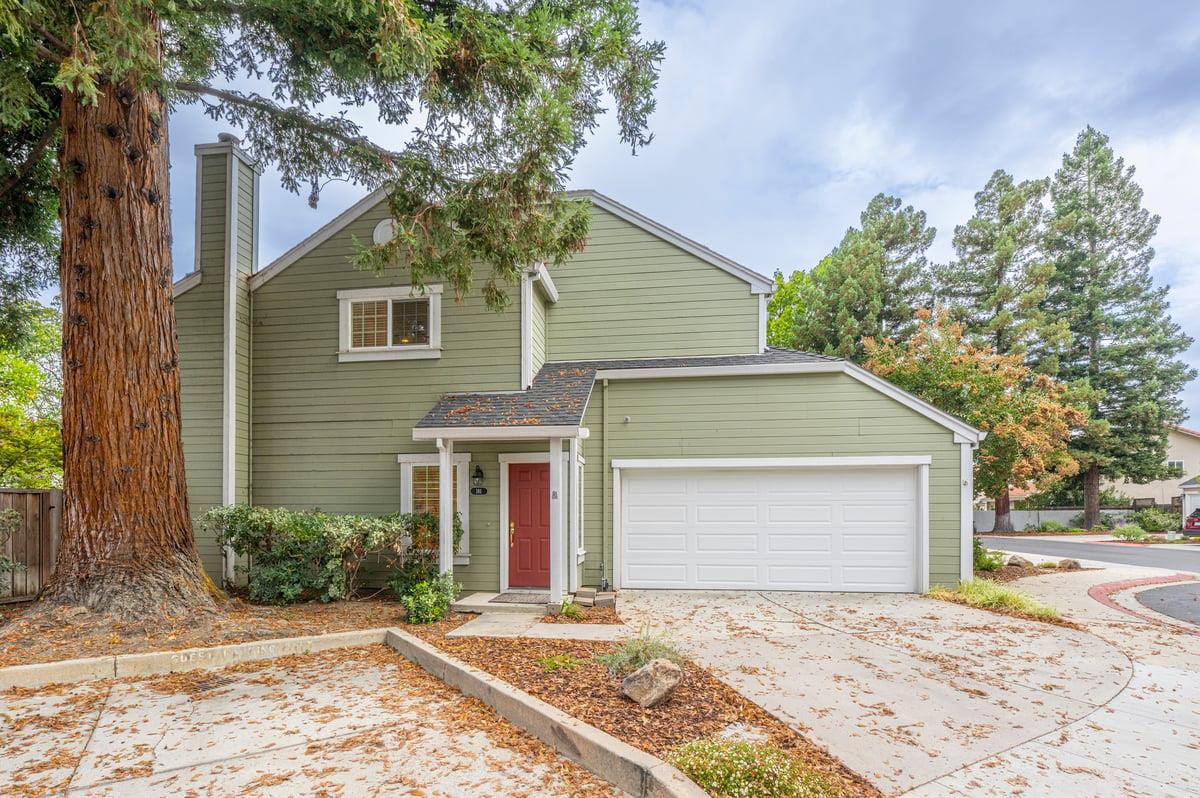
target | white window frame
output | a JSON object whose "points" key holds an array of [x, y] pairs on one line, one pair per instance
{"points": [[350, 354], [462, 464], [1180, 464]]}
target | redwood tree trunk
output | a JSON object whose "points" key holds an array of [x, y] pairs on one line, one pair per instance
{"points": [[127, 545], [1091, 496], [1003, 522]]}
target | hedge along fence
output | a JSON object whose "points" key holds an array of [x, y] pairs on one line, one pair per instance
{"points": [[309, 554]]}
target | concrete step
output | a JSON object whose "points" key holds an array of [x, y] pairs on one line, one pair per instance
{"points": [[480, 603]]}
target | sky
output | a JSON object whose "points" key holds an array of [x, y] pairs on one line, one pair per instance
{"points": [[774, 128]]}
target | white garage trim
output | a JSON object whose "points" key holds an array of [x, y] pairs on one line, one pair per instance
{"points": [[920, 463], [966, 474]]}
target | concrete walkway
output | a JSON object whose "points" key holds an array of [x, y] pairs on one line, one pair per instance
{"points": [[1178, 556], [352, 722], [1142, 742], [903, 689], [503, 624]]}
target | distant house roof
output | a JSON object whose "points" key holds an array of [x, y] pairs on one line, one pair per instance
{"points": [[1194, 482], [1185, 430]]}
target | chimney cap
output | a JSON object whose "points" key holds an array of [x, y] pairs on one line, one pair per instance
{"points": [[228, 138]]}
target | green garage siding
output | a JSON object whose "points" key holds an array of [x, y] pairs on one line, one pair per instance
{"points": [[326, 434], [797, 415], [632, 294], [537, 329]]}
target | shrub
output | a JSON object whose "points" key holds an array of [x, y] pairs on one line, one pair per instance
{"points": [[298, 555], [10, 523], [428, 602], [739, 769], [985, 560], [637, 651], [1154, 520], [988, 595], [1105, 522], [1130, 532], [1050, 525]]}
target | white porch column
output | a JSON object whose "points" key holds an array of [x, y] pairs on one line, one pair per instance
{"points": [[573, 520], [557, 542], [445, 506]]}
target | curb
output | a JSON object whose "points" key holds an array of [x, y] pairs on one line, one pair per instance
{"points": [[213, 658], [633, 770], [1104, 592]]}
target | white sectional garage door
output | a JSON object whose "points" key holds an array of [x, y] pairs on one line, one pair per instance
{"points": [[852, 529]]}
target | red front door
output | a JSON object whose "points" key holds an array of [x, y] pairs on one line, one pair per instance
{"points": [[529, 525]]}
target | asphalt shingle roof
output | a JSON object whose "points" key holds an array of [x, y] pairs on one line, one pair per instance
{"points": [[560, 391]]}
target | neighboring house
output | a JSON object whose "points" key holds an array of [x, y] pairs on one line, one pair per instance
{"points": [[623, 422], [1183, 454]]}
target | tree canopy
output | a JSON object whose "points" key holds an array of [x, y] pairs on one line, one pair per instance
{"points": [[843, 299], [30, 397]]}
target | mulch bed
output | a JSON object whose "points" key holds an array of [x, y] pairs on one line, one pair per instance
{"points": [[590, 615], [1011, 573], [28, 635], [1040, 534], [700, 707]]}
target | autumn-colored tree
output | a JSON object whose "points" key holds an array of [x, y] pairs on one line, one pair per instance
{"points": [[1029, 417], [487, 105]]}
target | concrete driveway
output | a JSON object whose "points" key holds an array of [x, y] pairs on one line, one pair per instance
{"points": [[904, 689]]}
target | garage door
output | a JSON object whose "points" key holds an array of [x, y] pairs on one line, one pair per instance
{"points": [[770, 529]]}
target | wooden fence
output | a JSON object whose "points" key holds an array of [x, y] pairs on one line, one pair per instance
{"points": [[34, 542]]}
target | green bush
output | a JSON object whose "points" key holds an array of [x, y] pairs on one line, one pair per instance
{"points": [[637, 651], [985, 560], [569, 609], [428, 602], [1154, 520], [309, 554], [1104, 522], [737, 769], [1131, 532], [1050, 525]]}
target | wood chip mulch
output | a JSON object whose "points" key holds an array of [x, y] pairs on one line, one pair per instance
{"points": [[1011, 573], [700, 707], [590, 615], [28, 636]]}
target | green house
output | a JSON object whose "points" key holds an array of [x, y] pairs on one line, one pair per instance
{"points": [[623, 424]]}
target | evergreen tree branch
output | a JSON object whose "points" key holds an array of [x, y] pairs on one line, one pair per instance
{"points": [[32, 160]]}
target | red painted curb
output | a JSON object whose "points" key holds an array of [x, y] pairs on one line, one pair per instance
{"points": [[1103, 593]]}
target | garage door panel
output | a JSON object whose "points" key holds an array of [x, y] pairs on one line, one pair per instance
{"points": [[770, 529]]}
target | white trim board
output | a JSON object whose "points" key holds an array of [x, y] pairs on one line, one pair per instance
{"points": [[462, 462], [517, 433], [186, 283], [542, 275], [505, 459], [526, 331], [963, 432]]}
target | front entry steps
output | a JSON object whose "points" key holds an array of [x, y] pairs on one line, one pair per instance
{"points": [[483, 602]]}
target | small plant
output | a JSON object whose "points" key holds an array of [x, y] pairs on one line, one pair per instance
{"points": [[739, 769], [1154, 520], [559, 662], [428, 602], [1048, 564], [1050, 525], [985, 560], [988, 595], [1131, 532], [637, 651], [569, 609]]}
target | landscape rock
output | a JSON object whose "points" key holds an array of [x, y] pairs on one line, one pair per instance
{"points": [[606, 600], [652, 683], [1019, 561], [1069, 565]]}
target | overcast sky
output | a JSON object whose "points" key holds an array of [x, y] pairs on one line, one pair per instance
{"points": [[775, 127]]}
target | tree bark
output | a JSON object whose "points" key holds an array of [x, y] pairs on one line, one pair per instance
{"points": [[127, 544], [1003, 522], [1091, 496]]}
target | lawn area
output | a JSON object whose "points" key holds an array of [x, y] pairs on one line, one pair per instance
{"points": [[28, 635], [986, 594]]}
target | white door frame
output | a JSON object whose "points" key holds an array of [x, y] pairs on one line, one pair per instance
{"points": [[920, 464], [505, 458]]}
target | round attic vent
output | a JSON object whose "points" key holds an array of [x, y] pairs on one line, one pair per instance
{"points": [[384, 231]]}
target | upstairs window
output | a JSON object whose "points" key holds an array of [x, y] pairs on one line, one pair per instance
{"points": [[1175, 467], [389, 323]]}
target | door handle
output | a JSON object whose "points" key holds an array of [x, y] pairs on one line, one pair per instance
{"points": [[512, 529]]}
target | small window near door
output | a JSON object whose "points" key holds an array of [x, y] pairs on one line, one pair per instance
{"points": [[426, 487], [1175, 467], [420, 492]]}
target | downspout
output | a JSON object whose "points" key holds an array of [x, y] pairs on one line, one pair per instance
{"points": [[605, 471]]}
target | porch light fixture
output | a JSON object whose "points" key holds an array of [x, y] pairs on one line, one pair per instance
{"points": [[477, 476]]}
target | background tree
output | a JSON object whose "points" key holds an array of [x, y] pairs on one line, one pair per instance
{"points": [[904, 236], [1123, 345], [1029, 417], [842, 299], [30, 397], [784, 309], [499, 97]]}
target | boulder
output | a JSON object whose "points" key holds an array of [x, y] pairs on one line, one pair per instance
{"points": [[1069, 565], [606, 600], [652, 683], [1018, 561]]}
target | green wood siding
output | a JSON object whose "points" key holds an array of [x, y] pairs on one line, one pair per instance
{"points": [[631, 294], [326, 434], [200, 321], [799, 415], [537, 329]]}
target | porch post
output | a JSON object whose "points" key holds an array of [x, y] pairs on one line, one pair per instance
{"points": [[445, 506], [573, 519], [556, 521]]}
